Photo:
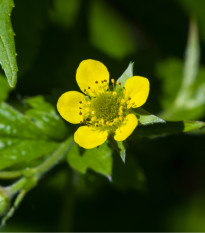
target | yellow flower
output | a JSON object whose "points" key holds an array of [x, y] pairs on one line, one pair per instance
{"points": [[102, 110]]}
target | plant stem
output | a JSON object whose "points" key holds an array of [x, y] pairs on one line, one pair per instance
{"points": [[10, 174]]}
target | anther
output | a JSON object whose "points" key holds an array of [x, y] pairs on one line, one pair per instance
{"points": [[112, 80], [96, 82], [84, 90], [117, 83], [80, 108], [129, 98], [105, 80], [122, 101], [88, 87], [80, 113], [80, 102], [93, 119]]}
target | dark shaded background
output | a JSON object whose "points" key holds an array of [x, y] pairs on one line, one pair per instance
{"points": [[52, 38]]}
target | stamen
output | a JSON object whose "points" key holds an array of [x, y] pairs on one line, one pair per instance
{"points": [[122, 101], [80, 113], [96, 82], [93, 118]]}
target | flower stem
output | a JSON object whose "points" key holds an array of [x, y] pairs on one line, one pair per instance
{"points": [[31, 176]]}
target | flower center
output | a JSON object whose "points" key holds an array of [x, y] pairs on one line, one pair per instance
{"points": [[106, 109], [106, 106]]}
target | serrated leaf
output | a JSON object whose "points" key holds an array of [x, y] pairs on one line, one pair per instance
{"points": [[109, 31], [7, 44], [27, 137], [4, 88], [98, 159], [127, 74], [167, 128]]}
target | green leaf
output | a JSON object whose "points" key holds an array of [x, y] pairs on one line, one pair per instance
{"points": [[44, 116], [122, 150], [127, 74], [146, 118], [191, 65], [184, 91], [24, 138], [4, 88], [109, 31], [7, 44], [98, 159], [168, 128]]}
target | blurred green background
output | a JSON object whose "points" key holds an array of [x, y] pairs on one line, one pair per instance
{"points": [[162, 185]]}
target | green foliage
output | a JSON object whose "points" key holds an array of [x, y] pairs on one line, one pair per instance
{"points": [[127, 74], [184, 86], [5, 88], [109, 32], [52, 38], [24, 137], [166, 128], [7, 44], [98, 159]]}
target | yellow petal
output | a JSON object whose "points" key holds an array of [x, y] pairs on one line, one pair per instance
{"points": [[89, 137], [68, 106], [129, 124], [137, 88], [90, 75]]}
